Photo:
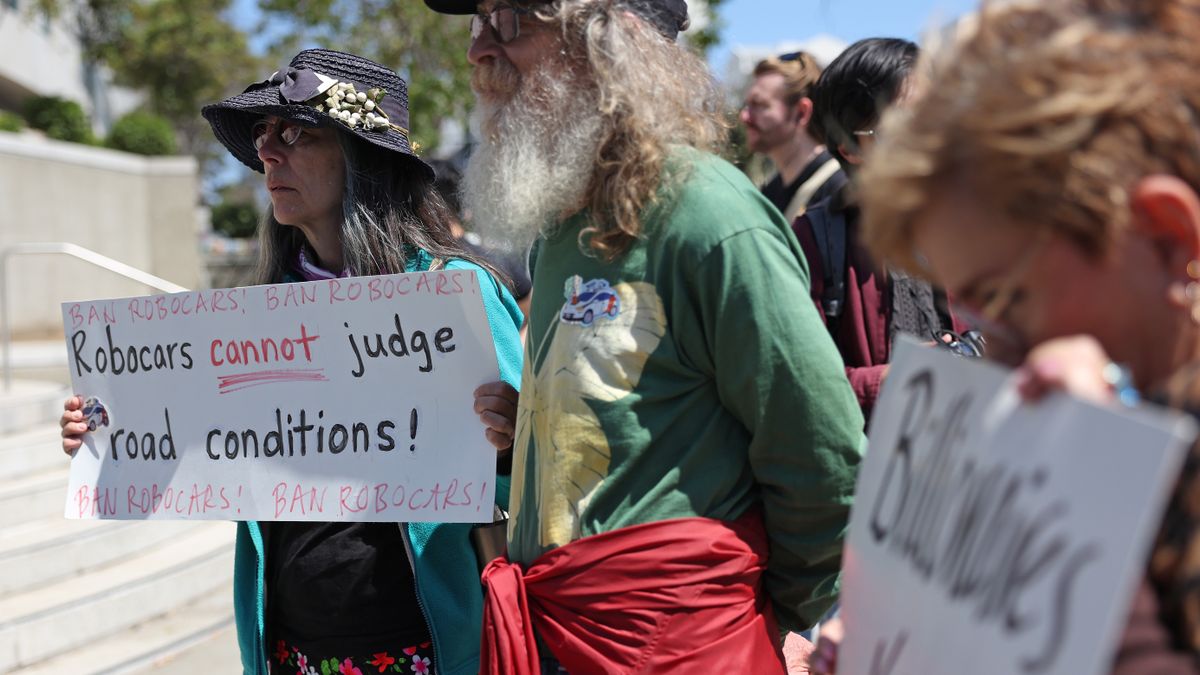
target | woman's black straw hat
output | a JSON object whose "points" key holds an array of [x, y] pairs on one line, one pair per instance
{"points": [[321, 87]]}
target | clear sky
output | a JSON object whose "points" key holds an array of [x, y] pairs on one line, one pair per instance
{"points": [[769, 22]]}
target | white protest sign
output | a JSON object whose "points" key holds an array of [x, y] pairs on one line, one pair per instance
{"points": [[989, 536], [348, 399]]}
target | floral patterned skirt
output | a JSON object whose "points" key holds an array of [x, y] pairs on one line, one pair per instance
{"points": [[415, 660]]}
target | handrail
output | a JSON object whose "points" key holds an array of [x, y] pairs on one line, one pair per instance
{"points": [[75, 251]]}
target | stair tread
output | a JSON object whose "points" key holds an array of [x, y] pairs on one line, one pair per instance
{"points": [[24, 390], [37, 482], [42, 434], [20, 539], [210, 539], [48, 531], [205, 625]]}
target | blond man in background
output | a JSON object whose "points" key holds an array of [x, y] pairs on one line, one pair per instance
{"points": [[776, 114]]}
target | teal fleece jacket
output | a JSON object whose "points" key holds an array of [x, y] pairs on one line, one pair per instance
{"points": [[446, 573]]}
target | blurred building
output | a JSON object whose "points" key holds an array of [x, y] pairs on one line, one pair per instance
{"points": [[44, 57], [141, 211]]}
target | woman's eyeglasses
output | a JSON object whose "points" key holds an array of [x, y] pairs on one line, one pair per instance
{"points": [[286, 132], [1005, 343], [504, 22]]}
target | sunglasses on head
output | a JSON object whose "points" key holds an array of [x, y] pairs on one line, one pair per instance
{"points": [[503, 20]]}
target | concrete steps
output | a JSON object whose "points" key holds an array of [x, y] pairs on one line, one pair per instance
{"points": [[34, 495], [195, 638], [73, 613], [30, 403], [32, 450], [100, 596], [48, 550]]}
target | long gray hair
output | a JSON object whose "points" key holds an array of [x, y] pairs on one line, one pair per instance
{"points": [[389, 210]]}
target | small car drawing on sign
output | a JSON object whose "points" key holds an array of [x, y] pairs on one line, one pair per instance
{"points": [[590, 301], [94, 414]]}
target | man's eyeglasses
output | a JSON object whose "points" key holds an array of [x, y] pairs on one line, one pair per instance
{"points": [[504, 21], [287, 132]]}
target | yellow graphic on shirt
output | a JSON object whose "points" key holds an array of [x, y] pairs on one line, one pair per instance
{"points": [[602, 340]]}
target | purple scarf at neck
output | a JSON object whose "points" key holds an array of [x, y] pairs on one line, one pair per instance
{"points": [[311, 272]]}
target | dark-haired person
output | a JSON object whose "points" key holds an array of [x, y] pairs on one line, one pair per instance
{"points": [[349, 197], [863, 304], [686, 439], [776, 113]]}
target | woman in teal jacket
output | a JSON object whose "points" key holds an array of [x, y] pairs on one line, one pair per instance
{"points": [[441, 557], [349, 197]]}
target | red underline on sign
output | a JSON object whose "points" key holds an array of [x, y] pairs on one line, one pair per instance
{"points": [[231, 383]]}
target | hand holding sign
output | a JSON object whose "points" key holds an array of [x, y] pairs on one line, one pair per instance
{"points": [[73, 425], [496, 405], [986, 536]]}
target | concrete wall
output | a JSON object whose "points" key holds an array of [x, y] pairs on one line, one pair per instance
{"points": [[141, 211]]}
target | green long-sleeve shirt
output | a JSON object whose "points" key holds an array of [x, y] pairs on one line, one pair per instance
{"points": [[690, 377]]}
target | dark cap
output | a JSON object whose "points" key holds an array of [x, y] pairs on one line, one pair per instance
{"points": [[668, 16]]}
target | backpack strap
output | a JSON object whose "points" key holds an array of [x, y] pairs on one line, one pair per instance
{"points": [[829, 231], [809, 188]]}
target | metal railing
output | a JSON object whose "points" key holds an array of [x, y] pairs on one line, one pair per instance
{"points": [[75, 251]]}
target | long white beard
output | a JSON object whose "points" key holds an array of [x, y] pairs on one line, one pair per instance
{"points": [[536, 158]]}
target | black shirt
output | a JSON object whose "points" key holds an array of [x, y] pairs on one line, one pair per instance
{"points": [[513, 266], [344, 588], [781, 195]]}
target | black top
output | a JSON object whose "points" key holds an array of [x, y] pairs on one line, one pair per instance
{"points": [[343, 588], [513, 266], [781, 195]]}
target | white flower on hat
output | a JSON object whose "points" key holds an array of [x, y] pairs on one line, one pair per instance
{"points": [[342, 101]]}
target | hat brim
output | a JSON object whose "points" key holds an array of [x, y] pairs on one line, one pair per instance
{"points": [[233, 119], [452, 6]]}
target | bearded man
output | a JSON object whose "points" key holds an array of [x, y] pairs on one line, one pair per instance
{"points": [[685, 440]]}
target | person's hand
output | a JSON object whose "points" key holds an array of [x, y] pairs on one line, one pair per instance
{"points": [[1075, 365], [73, 424], [496, 405], [824, 658], [796, 653]]}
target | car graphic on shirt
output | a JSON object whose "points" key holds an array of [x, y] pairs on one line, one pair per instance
{"points": [[94, 414], [588, 301]]}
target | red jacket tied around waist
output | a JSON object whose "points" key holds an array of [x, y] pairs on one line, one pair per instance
{"points": [[667, 597]]}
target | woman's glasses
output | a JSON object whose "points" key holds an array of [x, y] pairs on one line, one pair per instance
{"points": [[1004, 342], [287, 132], [504, 22]]}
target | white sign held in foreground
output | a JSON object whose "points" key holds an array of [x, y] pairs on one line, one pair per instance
{"points": [[348, 399], [990, 537]]}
